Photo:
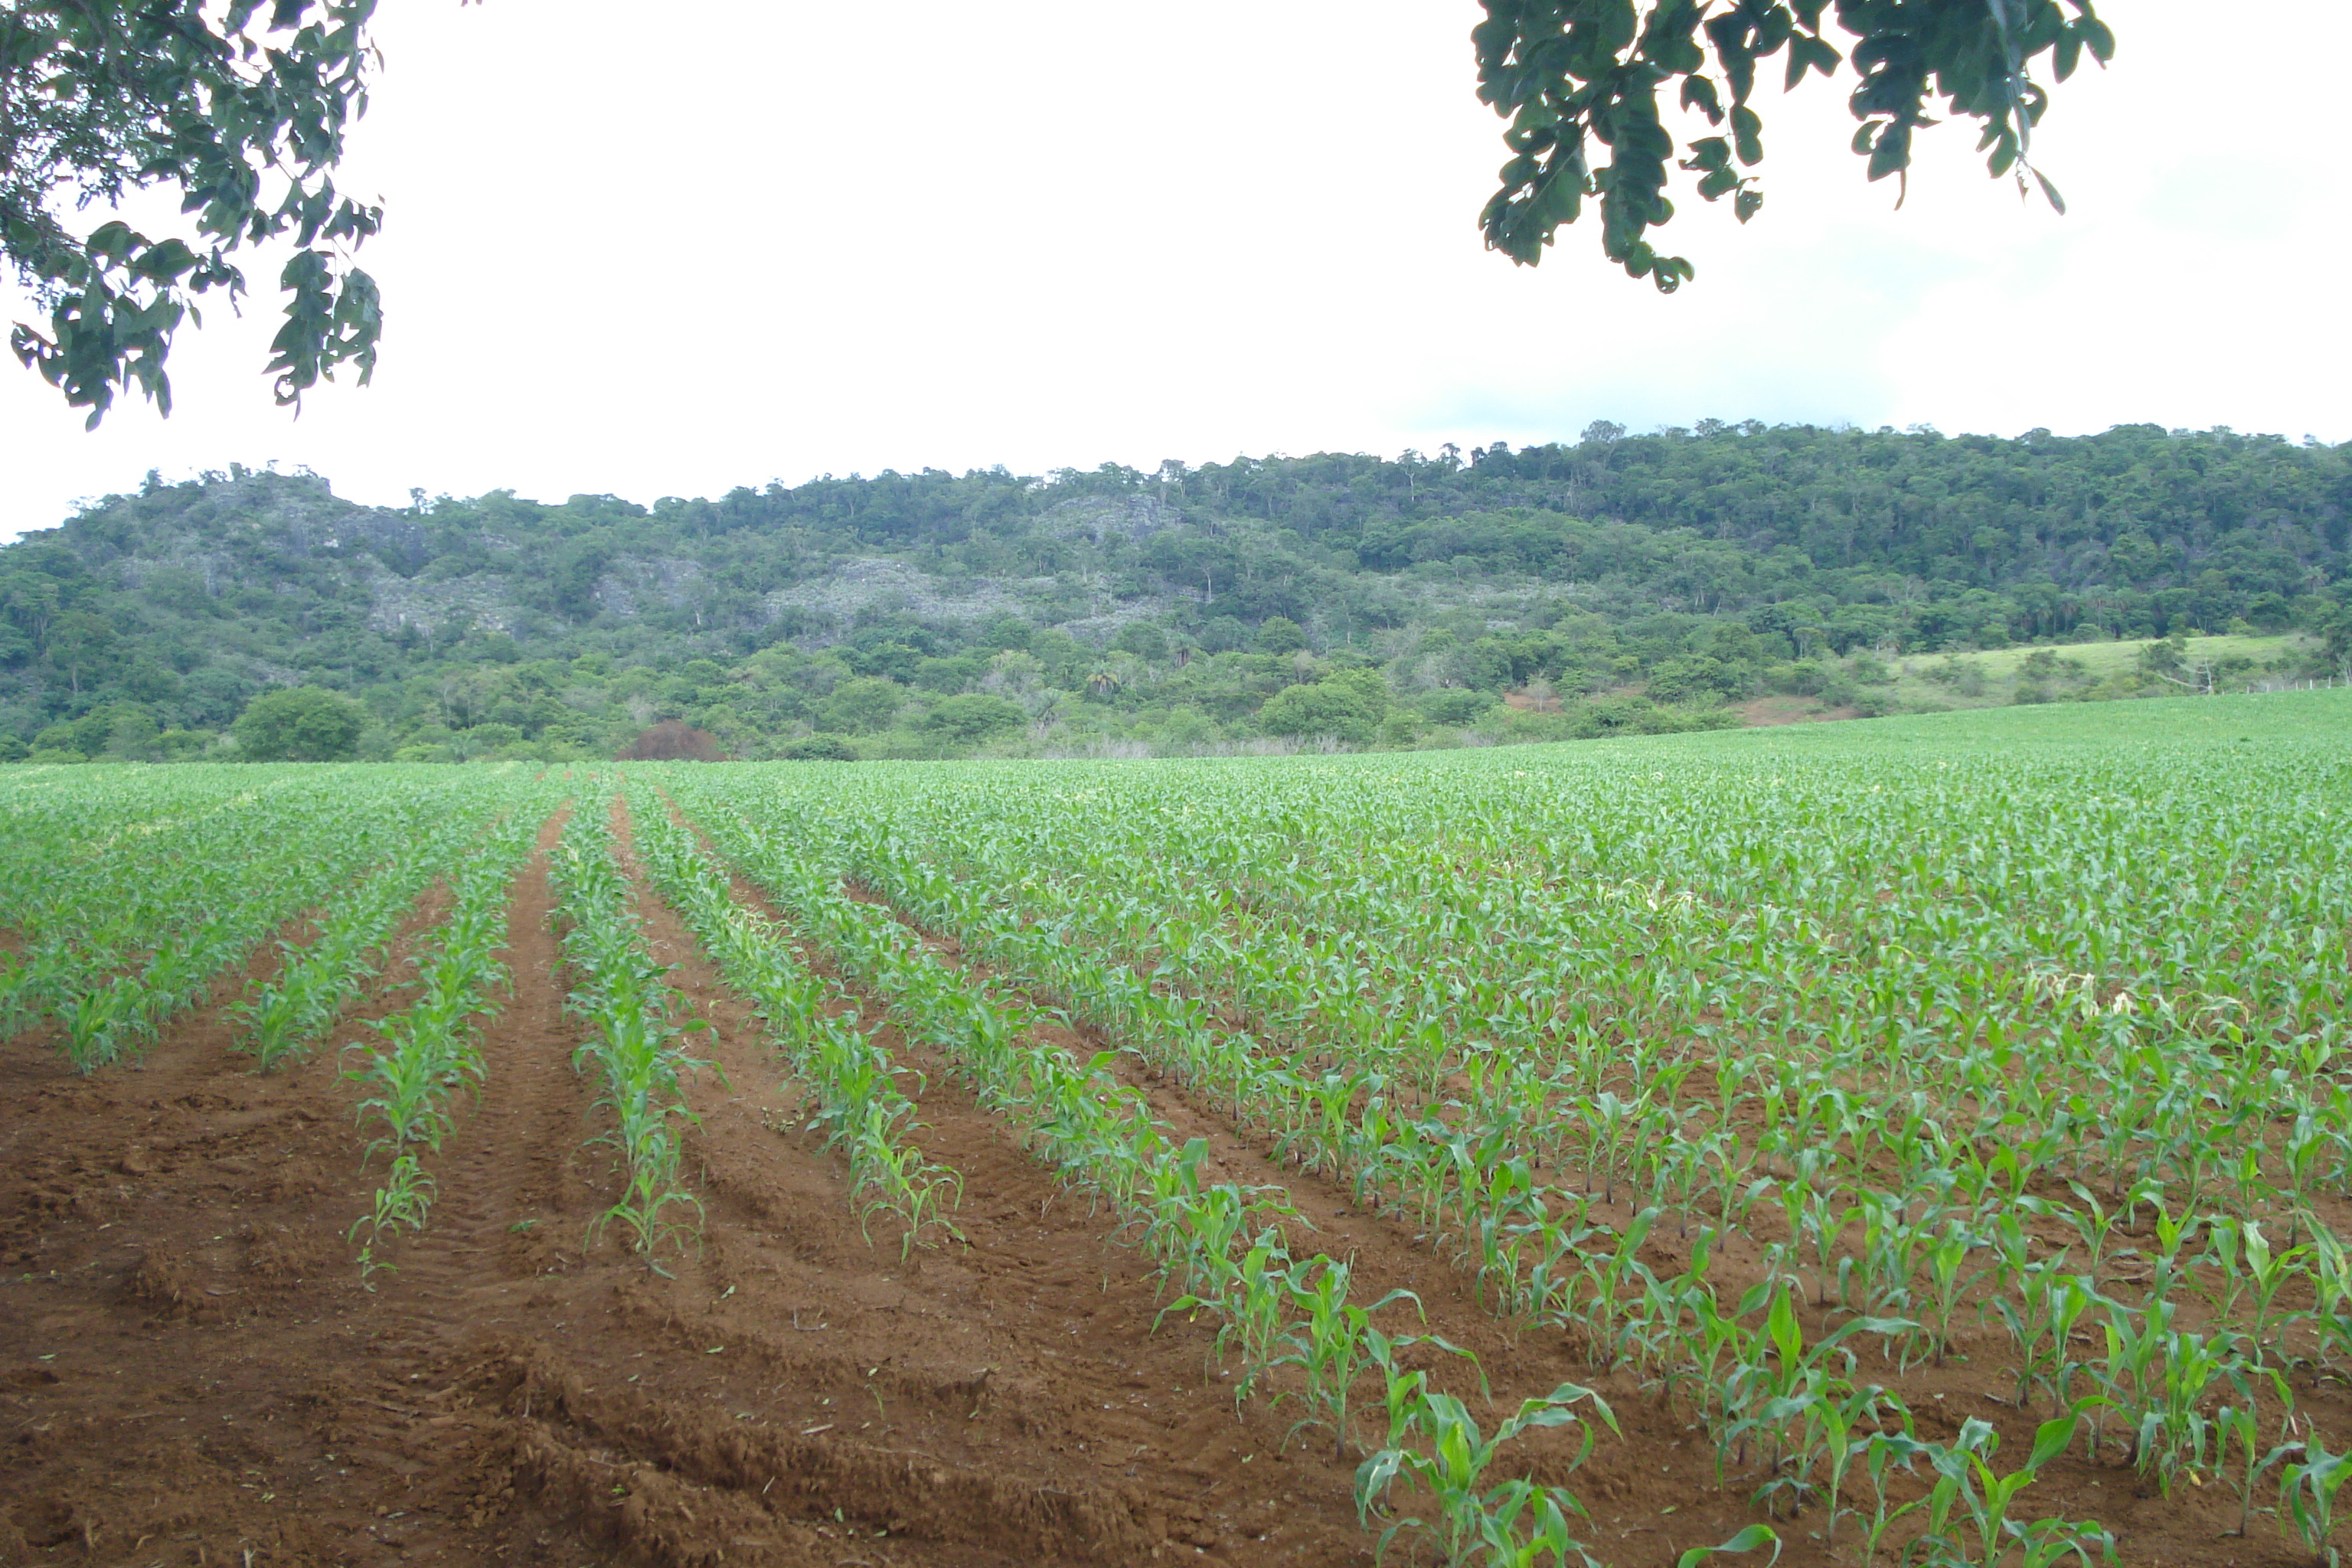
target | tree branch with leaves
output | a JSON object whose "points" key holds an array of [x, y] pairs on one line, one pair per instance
{"points": [[1585, 85], [243, 109]]}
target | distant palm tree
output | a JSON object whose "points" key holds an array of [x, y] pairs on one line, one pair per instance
{"points": [[1103, 679]]}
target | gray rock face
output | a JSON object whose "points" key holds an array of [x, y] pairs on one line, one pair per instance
{"points": [[873, 582]]}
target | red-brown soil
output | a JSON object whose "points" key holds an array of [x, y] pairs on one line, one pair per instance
{"points": [[191, 1371]]}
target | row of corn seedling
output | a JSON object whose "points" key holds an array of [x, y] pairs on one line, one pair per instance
{"points": [[107, 852], [637, 1024], [1438, 939], [844, 1068], [112, 989], [429, 1050], [1534, 1249], [1812, 1147], [1462, 1175]]}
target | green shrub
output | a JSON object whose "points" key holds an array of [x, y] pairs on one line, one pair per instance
{"points": [[972, 717], [303, 724], [1348, 705], [1280, 634], [1456, 706]]}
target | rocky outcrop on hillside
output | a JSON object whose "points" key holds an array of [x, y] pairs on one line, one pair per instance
{"points": [[1075, 602]]}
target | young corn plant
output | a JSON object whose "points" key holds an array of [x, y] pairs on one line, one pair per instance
{"points": [[1777, 1386], [402, 1203], [1193, 1231], [2040, 1316], [1609, 1290], [893, 1177], [1845, 1420], [2268, 1273], [1250, 1295], [1513, 1522], [1949, 1279], [2163, 1380], [1403, 1388], [2239, 1425], [1755, 1538], [1821, 1220], [2307, 1490], [2175, 1437], [1968, 1509], [1883, 1454], [2096, 1226], [1328, 1344]]}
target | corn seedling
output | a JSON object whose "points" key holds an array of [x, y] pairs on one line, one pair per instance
{"points": [[1514, 1521], [2307, 1490], [1328, 1343], [2239, 1425], [1967, 1511], [1755, 1538]]}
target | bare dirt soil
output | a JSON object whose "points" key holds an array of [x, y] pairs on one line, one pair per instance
{"points": [[192, 1371]]}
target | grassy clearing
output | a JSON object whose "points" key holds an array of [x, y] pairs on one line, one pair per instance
{"points": [[1997, 677]]}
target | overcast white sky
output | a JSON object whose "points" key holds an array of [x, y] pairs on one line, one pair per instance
{"points": [[804, 239]]}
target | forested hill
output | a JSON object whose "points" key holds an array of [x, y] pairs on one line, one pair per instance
{"points": [[1669, 574]]}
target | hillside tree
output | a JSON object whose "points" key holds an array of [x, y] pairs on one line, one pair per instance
{"points": [[300, 724]]}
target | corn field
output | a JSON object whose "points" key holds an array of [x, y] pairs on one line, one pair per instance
{"points": [[1904, 1114]]}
